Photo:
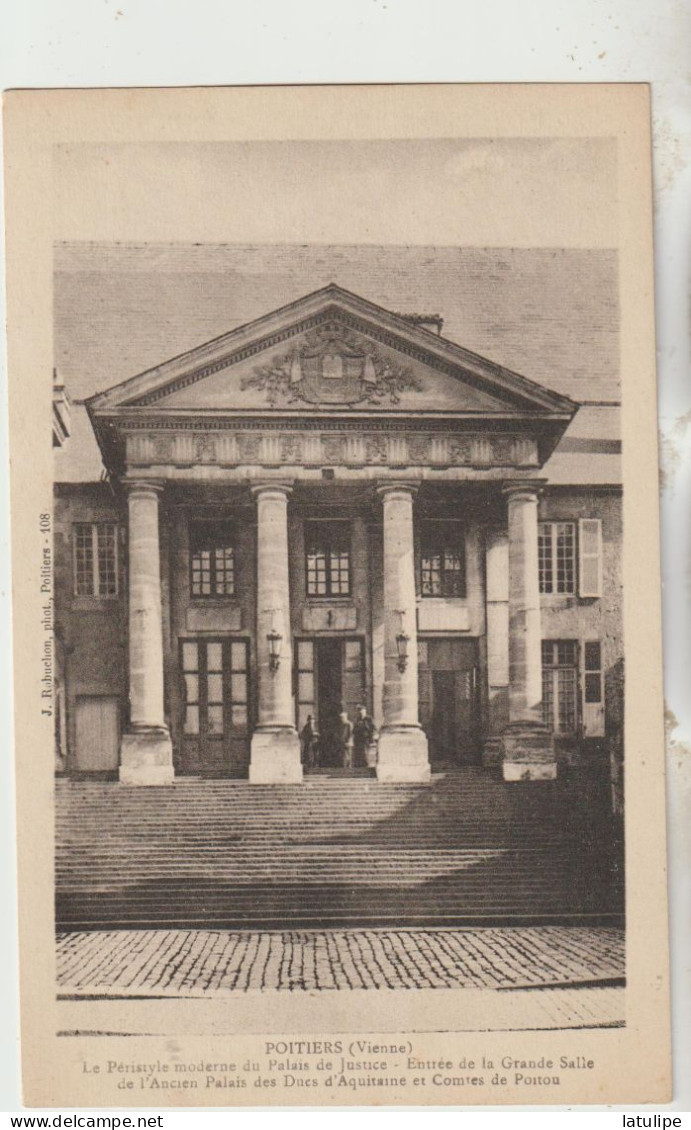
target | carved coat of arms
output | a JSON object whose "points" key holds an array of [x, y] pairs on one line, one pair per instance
{"points": [[332, 366]]}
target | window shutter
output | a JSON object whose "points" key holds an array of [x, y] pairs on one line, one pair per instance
{"points": [[590, 557], [593, 691]]}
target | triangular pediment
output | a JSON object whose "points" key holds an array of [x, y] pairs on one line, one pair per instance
{"points": [[330, 352], [332, 367]]}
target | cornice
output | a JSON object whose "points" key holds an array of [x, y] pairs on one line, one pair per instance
{"points": [[402, 423]]}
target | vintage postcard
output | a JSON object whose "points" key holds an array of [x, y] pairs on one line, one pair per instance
{"points": [[336, 596]]}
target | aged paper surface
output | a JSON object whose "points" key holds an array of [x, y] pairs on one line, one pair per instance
{"points": [[323, 593]]}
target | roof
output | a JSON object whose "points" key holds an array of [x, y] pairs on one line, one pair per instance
{"points": [[79, 459], [589, 454]]}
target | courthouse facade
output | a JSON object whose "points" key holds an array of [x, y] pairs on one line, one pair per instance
{"points": [[330, 507]]}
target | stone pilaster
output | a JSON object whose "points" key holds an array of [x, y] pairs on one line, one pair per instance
{"points": [[275, 747], [528, 744], [497, 616], [402, 750], [146, 752]]}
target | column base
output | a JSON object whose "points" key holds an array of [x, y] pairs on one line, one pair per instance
{"points": [[146, 757], [275, 757], [402, 755], [529, 753]]}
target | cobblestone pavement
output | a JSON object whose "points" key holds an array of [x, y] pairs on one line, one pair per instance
{"points": [[205, 963]]}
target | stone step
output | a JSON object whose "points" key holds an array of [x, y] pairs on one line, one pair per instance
{"points": [[505, 860], [387, 833], [307, 856], [475, 836], [312, 853], [327, 897], [210, 794], [324, 834], [323, 813], [299, 879], [251, 848], [310, 875], [84, 918], [280, 815]]}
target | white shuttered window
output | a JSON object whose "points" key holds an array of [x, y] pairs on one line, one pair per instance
{"points": [[590, 557]]}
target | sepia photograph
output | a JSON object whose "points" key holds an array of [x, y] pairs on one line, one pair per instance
{"points": [[339, 644], [333, 582]]}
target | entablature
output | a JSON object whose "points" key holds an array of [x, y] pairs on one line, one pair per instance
{"points": [[317, 449]]}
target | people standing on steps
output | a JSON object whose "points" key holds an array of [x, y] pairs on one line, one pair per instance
{"points": [[345, 739], [363, 733], [308, 744]]}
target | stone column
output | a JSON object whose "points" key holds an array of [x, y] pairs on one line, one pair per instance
{"points": [[146, 752], [528, 744], [275, 748], [402, 750]]}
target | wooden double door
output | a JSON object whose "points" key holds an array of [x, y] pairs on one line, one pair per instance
{"points": [[449, 700], [215, 709]]}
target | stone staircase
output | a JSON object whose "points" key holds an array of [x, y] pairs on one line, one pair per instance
{"points": [[466, 849]]}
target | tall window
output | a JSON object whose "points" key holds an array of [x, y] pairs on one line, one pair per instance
{"points": [[327, 558], [95, 559], [212, 559], [557, 557], [442, 559], [560, 685]]}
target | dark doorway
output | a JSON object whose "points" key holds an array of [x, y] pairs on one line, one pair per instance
{"points": [[330, 678], [449, 701], [329, 700]]}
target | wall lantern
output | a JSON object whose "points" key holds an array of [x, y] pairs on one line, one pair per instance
{"points": [[275, 639], [402, 641]]}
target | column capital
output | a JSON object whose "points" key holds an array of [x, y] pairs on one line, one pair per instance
{"points": [[528, 489], [143, 486], [283, 487], [404, 487]]}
